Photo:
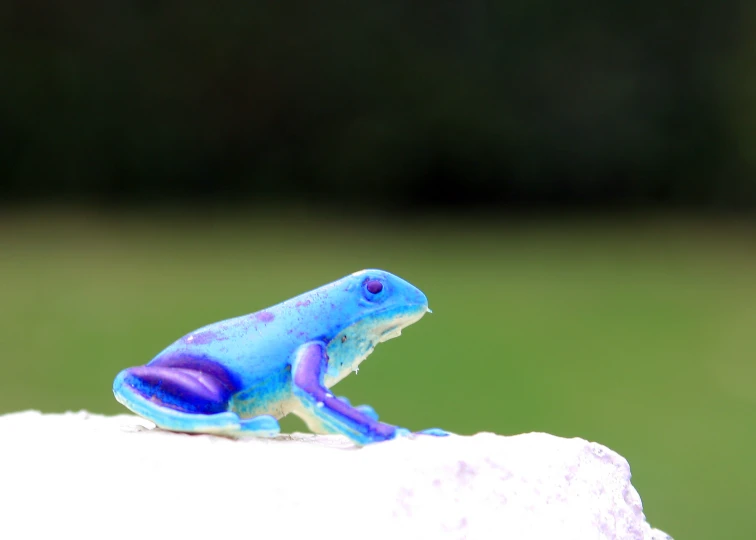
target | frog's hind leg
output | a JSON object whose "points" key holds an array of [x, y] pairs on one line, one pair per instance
{"points": [[186, 400]]}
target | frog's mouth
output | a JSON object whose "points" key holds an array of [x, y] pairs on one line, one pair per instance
{"points": [[355, 343], [397, 322], [391, 333]]}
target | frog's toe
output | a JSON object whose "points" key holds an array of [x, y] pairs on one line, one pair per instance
{"points": [[402, 433], [436, 432]]}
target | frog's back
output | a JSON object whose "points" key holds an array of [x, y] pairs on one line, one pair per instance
{"points": [[258, 345]]}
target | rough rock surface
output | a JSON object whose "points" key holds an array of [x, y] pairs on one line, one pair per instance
{"points": [[79, 475]]}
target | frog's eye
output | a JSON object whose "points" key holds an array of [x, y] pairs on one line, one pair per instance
{"points": [[375, 290], [373, 286]]}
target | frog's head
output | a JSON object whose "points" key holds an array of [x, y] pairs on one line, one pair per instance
{"points": [[375, 306]]}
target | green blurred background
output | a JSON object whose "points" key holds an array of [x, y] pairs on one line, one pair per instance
{"points": [[574, 188]]}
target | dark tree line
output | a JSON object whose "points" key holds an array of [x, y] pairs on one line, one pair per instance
{"points": [[416, 103]]}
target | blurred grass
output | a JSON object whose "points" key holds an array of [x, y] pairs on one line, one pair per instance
{"points": [[636, 333]]}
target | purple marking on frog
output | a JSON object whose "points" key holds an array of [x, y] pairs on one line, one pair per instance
{"points": [[303, 303], [181, 389], [200, 364], [264, 316], [311, 365], [310, 368]]}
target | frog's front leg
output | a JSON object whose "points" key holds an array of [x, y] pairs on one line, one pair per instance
{"points": [[188, 399], [322, 411], [367, 410]]}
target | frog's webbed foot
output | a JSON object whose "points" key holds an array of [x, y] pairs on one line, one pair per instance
{"points": [[436, 432], [189, 395], [367, 410], [321, 410]]}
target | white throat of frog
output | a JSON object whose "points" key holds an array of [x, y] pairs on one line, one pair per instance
{"points": [[352, 345]]}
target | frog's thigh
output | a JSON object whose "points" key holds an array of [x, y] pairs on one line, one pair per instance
{"points": [[323, 412], [172, 401]]}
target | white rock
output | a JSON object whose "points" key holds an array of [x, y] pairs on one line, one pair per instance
{"points": [[80, 475]]}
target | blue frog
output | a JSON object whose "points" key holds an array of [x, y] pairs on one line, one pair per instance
{"points": [[239, 376]]}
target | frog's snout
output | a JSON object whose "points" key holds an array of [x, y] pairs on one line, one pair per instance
{"points": [[421, 299], [417, 304]]}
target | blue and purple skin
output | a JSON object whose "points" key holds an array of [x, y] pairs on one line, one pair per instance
{"points": [[239, 376]]}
